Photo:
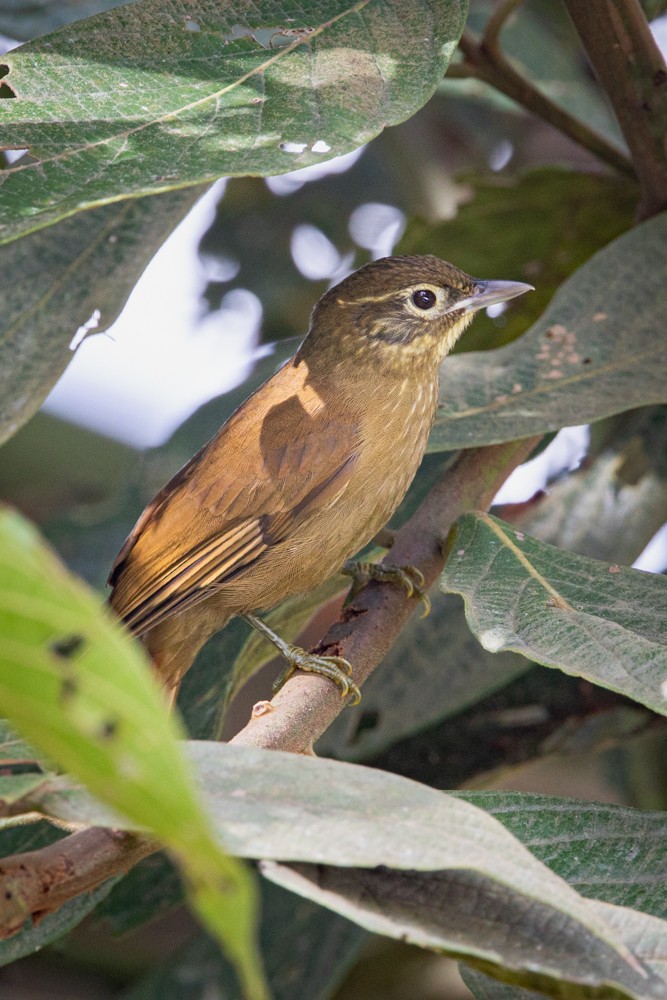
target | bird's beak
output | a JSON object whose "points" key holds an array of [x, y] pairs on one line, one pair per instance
{"points": [[488, 293]]}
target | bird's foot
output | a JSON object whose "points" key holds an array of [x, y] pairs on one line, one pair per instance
{"points": [[408, 577], [334, 667]]}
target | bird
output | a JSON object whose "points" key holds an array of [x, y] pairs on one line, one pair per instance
{"points": [[305, 472]]}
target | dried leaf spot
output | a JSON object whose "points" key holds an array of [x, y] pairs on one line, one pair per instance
{"points": [[519, 535], [261, 708], [614, 569], [69, 688], [192, 25], [517, 387], [67, 647], [108, 729], [599, 316], [554, 373]]}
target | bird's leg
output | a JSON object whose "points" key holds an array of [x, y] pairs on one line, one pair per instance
{"points": [[334, 667], [408, 577]]}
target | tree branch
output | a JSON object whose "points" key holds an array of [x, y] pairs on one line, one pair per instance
{"points": [[38, 882], [307, 705], [485, 61], [630, 67]]}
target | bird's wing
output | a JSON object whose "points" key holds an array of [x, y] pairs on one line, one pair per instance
{"points": [[282, 456]]}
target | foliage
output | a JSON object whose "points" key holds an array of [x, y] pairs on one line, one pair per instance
{"points": [[529, 892]]}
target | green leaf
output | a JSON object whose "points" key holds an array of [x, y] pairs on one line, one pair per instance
{"points": [[598, 349], [54, 282], [607, 852], [599, 621], [524, 237], [654, 8], [146, 98], [646, 935], [75, 684], [612, 506], [448, 912], [282, 806]]}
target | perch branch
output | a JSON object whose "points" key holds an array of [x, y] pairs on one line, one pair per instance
{"points": [[38, 882]]}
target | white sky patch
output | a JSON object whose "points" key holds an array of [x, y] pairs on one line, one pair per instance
{"points": [[161, 359], [565, 452], [377, 227], [285, 184]]}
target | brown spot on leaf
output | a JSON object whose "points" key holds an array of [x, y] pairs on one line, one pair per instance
{"points": [[68, 646]]}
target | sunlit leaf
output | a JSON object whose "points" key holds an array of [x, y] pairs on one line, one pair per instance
{"points": [[73, 682], [145, 98]]}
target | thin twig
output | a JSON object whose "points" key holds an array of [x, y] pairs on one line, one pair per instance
{"points": [[487, 63]]}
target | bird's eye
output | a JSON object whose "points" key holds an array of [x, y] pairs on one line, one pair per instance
{"points": [[424, 298]]}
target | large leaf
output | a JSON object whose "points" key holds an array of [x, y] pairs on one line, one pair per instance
{"points": [[283, 806], [613, 505], [55, 282], [599, 621], [145, 98], [606, 852], [75, 684], [598, 349], [646, 935], [447, 911]]}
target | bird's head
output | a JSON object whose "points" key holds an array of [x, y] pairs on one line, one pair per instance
{"points": [[401, 308]]}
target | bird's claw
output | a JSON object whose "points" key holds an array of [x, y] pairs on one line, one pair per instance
{"points": [[409, 577], [335, 668]]}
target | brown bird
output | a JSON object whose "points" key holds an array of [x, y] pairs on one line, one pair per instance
{"points": [[305, 472]]}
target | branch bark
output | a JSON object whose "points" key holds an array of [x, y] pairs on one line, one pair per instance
{"points": [[632, 70], [39, 882]]}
